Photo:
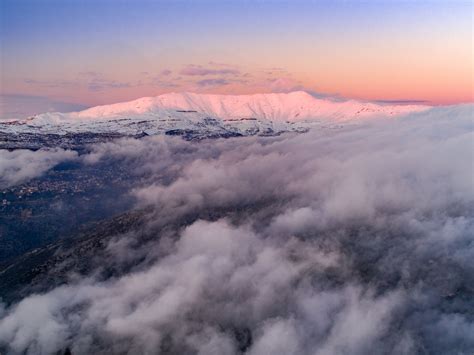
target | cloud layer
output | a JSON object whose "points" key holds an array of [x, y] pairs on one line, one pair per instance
{"points": [[354, 240]]}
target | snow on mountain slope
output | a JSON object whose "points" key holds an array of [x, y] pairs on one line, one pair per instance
{"points": [[292, 106], [197, 116]]}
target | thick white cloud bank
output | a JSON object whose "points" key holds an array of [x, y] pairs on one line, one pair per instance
{"points": [[348, 241], [20, 165]]}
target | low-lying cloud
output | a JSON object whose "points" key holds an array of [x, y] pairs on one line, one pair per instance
{"points": [[21, 165], [353, 240]]}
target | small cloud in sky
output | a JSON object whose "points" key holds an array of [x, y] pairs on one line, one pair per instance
{"points": [[402, 102], [217, 64], [96, 81], [166, 72], [157, 81], [198, 70], [91, 80], [275, 71], [212, 82], [284, 85], [99, 85], [59, 83]]}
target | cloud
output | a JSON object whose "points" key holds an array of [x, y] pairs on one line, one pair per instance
{"points": [[218, 64], [350, 240], [164, 82], [198, 70], [284, 84], [98, 82], [279, 71], [91, 80], [403, 102], [212, 82], [58, 83], [99, 85], [20, 165], [166, 72]]}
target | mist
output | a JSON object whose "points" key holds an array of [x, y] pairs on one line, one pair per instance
{"points": [[21, 165], [354, 240]]}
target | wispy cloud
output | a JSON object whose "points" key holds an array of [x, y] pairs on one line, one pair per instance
{"points": [[54, 83], [219, 64], [284, 84], [166, 72], [213, 82], [402, 102], [198, 70], [96, 81], [91, 80]]}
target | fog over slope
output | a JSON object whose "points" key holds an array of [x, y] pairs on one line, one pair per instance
{"points": [[355, 240], [21, 165]]}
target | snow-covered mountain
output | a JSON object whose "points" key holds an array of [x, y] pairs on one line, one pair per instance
{"points": [[294, 106], [196, 116]]}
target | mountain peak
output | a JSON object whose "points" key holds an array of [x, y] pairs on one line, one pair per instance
{"points": [[292, 106], [197, 116]]}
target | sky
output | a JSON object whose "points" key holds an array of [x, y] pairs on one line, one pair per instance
{"points": [[91, 52]]}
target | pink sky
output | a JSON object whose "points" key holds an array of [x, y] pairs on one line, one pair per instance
{"points": [[92, 53]]}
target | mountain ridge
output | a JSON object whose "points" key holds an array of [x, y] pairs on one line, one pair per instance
{"points": [[192, 116], [293, 106]]}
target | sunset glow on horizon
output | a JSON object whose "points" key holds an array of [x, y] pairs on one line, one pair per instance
{"points": [[98, 52]]}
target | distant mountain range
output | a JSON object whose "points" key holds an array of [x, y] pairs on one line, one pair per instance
{"points": [[192, 116]]}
